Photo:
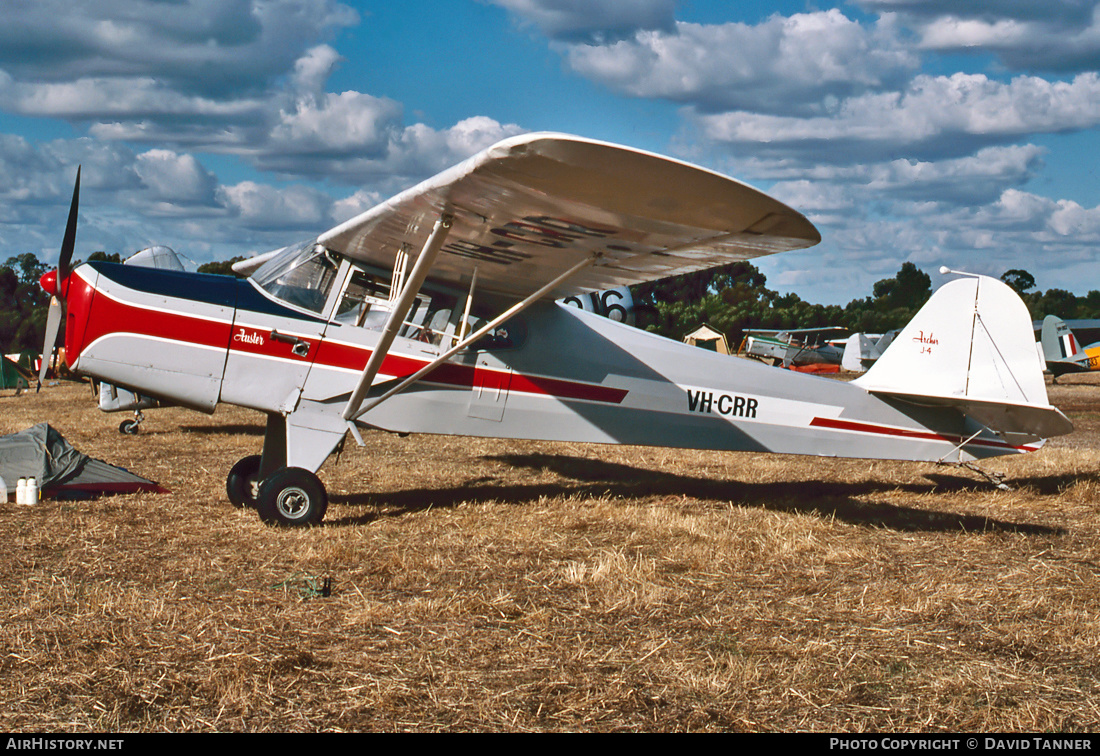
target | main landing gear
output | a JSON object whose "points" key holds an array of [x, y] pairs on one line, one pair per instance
{"points": [[280, 483], [290, 496], [132, 427], [241, 485]]}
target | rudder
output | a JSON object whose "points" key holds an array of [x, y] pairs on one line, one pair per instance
{"points": [[971, 346]]}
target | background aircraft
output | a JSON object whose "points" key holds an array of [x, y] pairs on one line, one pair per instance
{"points": [[794, 346], [357, 329], [861, 350], [1062, 351]]}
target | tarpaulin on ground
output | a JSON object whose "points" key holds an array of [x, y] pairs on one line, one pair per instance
{"points": [[42, 453], [11, 376]]}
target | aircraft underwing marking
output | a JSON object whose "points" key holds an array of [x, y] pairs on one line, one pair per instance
{"points": [[886, 430], [531, 230]]}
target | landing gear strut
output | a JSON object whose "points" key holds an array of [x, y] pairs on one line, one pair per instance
{"points": [[280, 483]]}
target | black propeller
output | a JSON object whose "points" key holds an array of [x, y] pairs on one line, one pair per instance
{"points": [[69, 242], [53, 317]]}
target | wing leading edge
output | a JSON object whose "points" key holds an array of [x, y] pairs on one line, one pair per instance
{"points": [[529, 208]]}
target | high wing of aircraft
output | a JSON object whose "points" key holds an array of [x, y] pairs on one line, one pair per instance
{"points": [[1062, 351], [435, 312]]}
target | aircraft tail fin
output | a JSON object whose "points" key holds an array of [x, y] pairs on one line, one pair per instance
{"points": [[971, 347], [1061, 350]]}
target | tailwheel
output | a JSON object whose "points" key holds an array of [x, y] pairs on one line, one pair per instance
{"points": [[241, 483], [292, 496]]}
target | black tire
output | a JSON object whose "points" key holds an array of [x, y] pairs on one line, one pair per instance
{"points": [[239, 483], [129, 427], [292, 496]]}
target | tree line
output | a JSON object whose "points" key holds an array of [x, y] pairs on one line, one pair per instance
{"points": [[729, 298], [735, 297]]}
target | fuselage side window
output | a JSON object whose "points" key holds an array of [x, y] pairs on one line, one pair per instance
{"points": [[365, 302], [436, 317], [447, 324], [511, 334]]}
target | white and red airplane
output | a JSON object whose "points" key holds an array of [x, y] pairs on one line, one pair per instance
{"points": [[437, 312]]}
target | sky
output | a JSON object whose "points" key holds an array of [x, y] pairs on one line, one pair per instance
{"points": [[961, 133]]}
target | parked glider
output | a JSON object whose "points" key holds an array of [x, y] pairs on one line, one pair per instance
{"points": [[435, 312], [1062, 351]]}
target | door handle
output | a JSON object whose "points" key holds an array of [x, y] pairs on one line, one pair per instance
{"points": [[300, 346]]}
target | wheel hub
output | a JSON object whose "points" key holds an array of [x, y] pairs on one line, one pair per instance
{"points": [[292, 502]]}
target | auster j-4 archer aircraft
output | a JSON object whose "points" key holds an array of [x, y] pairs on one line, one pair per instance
{"points": [[435, 312]]}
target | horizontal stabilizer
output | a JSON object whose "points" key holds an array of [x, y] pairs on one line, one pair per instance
{"points": [[971, 347]]}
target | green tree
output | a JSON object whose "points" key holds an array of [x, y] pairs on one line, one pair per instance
{"points": [[1020, 280], [909, 289], [221, 267], [1054, 302], [1089, 306], [28, 267], [24, 303], [894, 302], [114, 257]]}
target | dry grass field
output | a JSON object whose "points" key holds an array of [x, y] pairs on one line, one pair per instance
{"points": [[510, 586]]}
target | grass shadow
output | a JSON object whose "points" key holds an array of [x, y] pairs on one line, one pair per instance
{"points": [[582, 476], [242, 429]]}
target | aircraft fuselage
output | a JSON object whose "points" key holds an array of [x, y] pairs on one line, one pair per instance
{"points": [[561, 374]]}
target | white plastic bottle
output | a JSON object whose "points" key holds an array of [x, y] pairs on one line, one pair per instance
{"points": [[4, 488], [21, 491], [32, 492]]}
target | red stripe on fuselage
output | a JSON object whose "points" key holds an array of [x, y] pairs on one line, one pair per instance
{"points": [[346, 356], [110, 315], [252, 340], [885, 430], [78, 303]]}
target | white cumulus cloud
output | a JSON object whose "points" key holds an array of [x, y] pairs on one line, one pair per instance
{"points": [[584, 19], [783, 65]]}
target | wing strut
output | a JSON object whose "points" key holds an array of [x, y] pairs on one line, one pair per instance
{"points": [[511, 312], [400, 309]]}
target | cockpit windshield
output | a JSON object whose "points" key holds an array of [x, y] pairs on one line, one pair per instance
{"points": [[300, 275]]}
